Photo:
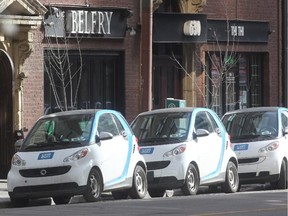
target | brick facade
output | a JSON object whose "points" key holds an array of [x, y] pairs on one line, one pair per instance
{"points": [[33, 85], [257, 10], [243, 10]]}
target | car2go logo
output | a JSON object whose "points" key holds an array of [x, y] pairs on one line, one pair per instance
{"points": [[45, 156]]}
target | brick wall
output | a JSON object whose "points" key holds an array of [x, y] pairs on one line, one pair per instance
{"points": [[260, 10], [33, 66]]}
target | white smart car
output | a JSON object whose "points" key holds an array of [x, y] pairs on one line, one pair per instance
{"points": [[185, 148], [82, 152], [260, 140]]}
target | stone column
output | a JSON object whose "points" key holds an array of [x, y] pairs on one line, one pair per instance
{"points": [[189, 57], [22, 49]]}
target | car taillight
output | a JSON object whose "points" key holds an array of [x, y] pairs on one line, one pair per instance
{"points": [[138, 147]]}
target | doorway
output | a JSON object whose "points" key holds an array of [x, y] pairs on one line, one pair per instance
{"points": [[6, 114]]}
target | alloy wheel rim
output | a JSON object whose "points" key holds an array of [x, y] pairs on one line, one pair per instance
{"points": [[231, 178], [191, 180], [94, 186], [139, 183]]}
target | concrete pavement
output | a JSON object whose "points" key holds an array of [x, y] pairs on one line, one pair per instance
{"points": [[4, 197]]}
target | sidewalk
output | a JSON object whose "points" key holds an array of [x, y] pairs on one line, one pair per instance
{"points": [[4, 197]]}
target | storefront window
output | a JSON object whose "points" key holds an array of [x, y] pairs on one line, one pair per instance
{"points": [[101, 82], [236, 88]]}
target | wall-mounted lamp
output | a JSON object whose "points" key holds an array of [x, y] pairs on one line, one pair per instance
{"points": [[133, 30], [270, 31]]}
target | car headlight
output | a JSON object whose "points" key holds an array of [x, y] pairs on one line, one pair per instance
{"points": [[77, 155], [176, 151], [17, 160], [269, 148]]}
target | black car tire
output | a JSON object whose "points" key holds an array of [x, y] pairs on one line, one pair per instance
{"points": [[139, 187], [232, 179], [282, 182], [192, 181], [94, 186]]}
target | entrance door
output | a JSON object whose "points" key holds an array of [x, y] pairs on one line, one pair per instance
{"points": [[6, 125], [167, 81]]}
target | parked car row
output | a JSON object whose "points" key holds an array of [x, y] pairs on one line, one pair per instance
{"points": [[260, 139], [88, 152]]}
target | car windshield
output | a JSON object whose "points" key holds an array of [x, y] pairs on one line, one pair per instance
{"points": [[59, 132], [161, 128], [252, 125]]}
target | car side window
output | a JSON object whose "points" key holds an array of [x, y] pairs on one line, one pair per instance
{"points": [[214, 125], [202, 122], [107, 124], [120, 127], [284, 117]]}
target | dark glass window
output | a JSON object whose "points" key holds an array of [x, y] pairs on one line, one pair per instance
{"points": [[236, 87], [101, 76]]}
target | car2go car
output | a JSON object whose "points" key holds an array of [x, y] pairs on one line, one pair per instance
{"points": [[185, 148], [260, 139], [78, 152]]}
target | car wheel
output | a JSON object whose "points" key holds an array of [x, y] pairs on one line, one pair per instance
{"points": [[192, 181], [156, 193], [94, 187], [282, 182], [120, 194], [139, 187], [59, 200], [19, 202], [232, 179]]}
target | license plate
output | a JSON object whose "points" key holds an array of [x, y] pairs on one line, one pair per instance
{"points": [[241, 147], [146, 150], [45, 156]]}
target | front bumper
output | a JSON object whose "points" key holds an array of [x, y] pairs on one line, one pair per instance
{"points": [[259, 170], [166, 174], [41, 191], [23, 183]]}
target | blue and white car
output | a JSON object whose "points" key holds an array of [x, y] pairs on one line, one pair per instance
{"points": [[81, 152], [260, 139], [185, 148]]}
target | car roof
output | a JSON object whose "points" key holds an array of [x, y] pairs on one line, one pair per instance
{"points": [[72, 112], [255, 109], [169, 110]]}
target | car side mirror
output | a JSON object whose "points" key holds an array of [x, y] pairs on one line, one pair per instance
{"points": [[18, 144], [103, 136], [202, 133]]}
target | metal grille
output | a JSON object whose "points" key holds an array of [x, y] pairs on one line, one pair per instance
{"points": [[44, 172]]}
